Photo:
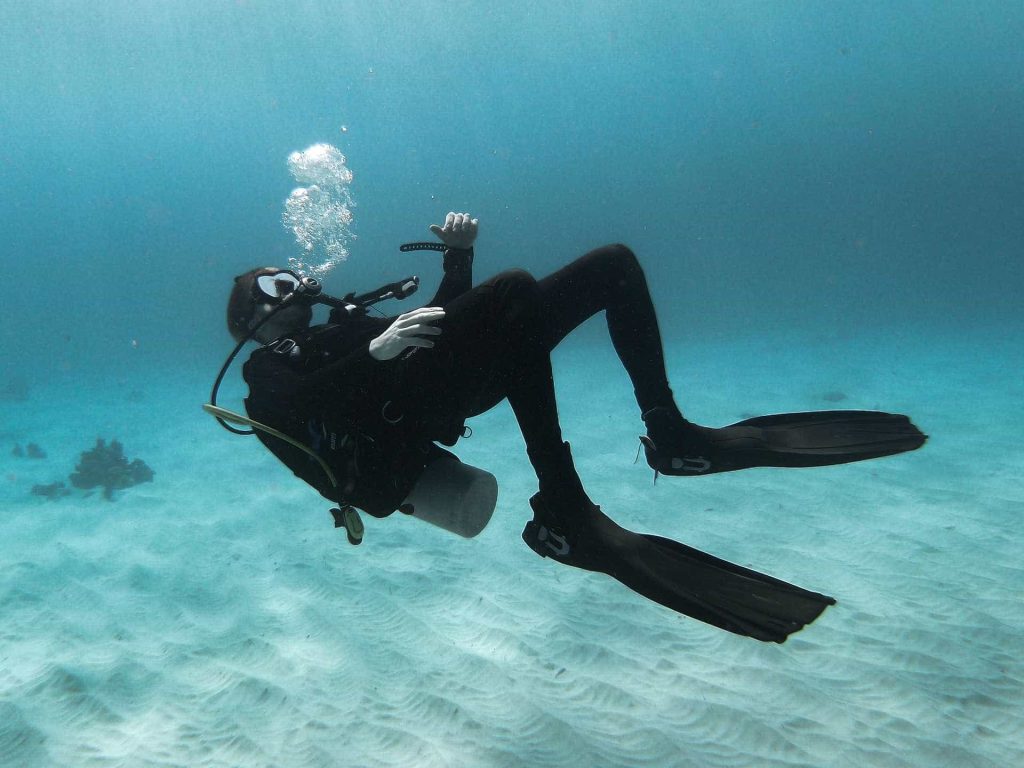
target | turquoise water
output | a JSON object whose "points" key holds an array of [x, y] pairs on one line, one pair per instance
{"points": [[826, 198]]}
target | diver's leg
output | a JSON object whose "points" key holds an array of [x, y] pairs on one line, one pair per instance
{"points": [[521, 339], [532, 397], [570, 529], [495, 345], [496, 340], [504, 331], [611, 279]]}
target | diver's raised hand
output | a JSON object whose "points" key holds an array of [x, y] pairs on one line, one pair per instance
{"points": [[459, 230], [408, 330]]}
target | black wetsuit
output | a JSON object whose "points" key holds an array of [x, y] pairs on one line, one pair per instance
{"points": [[375, 421]]}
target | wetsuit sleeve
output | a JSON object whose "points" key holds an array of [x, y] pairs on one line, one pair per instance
{"points": [[458, 276]]}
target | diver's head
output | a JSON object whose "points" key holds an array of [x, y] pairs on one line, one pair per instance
{"points": [[258, 293]]}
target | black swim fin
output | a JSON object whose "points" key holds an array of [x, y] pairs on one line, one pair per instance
{"points": [[674, 446], [679, 577]]}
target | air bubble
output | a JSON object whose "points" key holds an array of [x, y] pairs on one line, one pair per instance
{"points": [[320, 213]]}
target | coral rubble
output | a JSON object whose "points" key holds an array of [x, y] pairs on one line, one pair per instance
{"points": [[32, 451], [51, 491], [106, 467]]}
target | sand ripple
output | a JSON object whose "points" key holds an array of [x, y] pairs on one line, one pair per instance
{"points": [[208, 624]]}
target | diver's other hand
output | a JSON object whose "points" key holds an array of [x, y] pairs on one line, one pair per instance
{"points": [[459, 230], [408, 330]]}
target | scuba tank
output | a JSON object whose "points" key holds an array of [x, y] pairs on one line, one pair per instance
{"points": [[457, 497]]}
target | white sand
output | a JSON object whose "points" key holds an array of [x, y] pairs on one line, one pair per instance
{"points": [[215, 617]]}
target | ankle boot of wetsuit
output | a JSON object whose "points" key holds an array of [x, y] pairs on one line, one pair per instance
{"points": [[675, 446], [557, 477], [567, 526]]}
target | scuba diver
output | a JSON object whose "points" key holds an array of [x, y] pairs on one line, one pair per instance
{"points": [[356, 407]]}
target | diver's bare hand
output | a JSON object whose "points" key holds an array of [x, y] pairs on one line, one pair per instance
{"points": [[408, 330], [459, 230]]}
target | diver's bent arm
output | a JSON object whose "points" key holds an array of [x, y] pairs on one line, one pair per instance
{"points": [[458, 276], [458, 233]]}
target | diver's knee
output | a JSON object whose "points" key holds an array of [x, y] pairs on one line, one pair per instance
{"points": [[622, 256], [517, 282], [519, 276], [612, 258], [518, 298]]}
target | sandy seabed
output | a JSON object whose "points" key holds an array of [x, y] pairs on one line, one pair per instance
{"points": [[214, 617]]}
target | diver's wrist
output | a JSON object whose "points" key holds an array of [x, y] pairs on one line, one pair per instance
{"points": [[457, 258]]}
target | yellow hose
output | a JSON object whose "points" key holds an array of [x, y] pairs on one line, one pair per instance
{"points": [[237, 418]]}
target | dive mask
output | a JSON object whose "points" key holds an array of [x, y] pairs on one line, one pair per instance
{"points": [[275, 287]]}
